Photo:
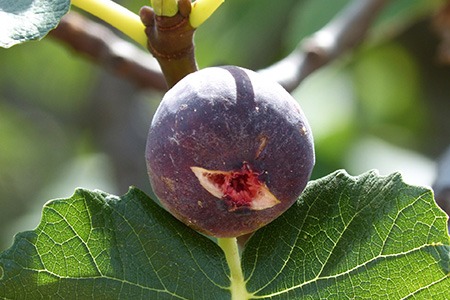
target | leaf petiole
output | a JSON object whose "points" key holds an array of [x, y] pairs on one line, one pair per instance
{"points": [[202, 10], [116, 15], [130, 23], [237, 287]]}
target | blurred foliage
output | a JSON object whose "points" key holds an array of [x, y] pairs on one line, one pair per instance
{"points": [[381, 106]]}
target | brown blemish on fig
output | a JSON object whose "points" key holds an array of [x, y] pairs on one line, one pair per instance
{"points": [[169, 183], [237, 188], [262, 145]]}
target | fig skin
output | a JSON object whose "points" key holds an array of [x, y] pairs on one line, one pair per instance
{"points": [[221, 118]]}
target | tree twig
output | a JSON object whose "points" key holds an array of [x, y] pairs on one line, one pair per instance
{"points": [[103, 46], [342, 33]]}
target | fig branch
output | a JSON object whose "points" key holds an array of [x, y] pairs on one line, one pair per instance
{"points": [[289, 72], [103, 46], [344, 32], [165, 29]]}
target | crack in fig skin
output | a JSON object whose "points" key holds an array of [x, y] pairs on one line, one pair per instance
{"points": [[241, 189], [217, 119]]}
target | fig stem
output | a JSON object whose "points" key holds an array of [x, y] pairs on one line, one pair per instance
{"points": [[117, 16], [170, 40], [231, 250]]}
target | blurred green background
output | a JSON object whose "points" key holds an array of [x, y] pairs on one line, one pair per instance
{"points": [[67, 123]]}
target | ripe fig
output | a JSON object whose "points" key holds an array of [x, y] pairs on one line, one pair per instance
{"points": [[228, 151]]}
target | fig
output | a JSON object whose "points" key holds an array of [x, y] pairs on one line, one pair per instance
{"points": [[228, 151]]}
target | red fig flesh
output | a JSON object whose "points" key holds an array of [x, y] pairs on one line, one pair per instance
{"points": [[239, 189]]}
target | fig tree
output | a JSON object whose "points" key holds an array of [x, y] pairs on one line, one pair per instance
{"points": [[228, 151]]}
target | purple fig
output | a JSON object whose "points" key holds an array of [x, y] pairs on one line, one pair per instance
{"points": [[228, 151]]}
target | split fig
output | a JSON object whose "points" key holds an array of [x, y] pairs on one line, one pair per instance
{"points": [[228, 151]]}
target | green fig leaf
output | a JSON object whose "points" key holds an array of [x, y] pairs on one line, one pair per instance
{"points": [[353, 237], [346, 237], [98, 246], [25, 20]]}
